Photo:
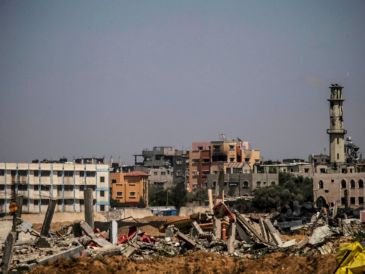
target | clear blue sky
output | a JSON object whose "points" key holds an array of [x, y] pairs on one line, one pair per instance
{"points": [[83, 78]]}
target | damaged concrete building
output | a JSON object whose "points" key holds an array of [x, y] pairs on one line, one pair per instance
{"points": [[341, 182], [64, 181], [165, 165]]}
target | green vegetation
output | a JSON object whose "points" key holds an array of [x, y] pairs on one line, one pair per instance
{"points": [[176, 195], [290, 188]]}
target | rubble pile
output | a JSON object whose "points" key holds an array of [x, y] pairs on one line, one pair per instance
{"points": [[219, 231]]}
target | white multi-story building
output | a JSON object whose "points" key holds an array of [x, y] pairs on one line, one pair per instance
{"points": [[65, 182]]}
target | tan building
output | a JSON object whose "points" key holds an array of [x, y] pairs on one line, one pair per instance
{"points": [[341, 182], [199, 164], [129, 188], [65, 182], [211, 157], [341, 189]]}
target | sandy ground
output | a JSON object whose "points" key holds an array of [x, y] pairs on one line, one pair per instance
{"points": [[60, 217], [196, 262]]}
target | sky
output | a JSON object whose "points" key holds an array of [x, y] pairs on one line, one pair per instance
{"points": [[111, 78]]}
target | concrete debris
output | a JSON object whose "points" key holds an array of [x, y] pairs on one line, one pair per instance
{"points": [[319, 234], [220, 230]]}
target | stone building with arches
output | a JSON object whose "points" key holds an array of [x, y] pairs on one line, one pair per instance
{"points": [[339, 183]]}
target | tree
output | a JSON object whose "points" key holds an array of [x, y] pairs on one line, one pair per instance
{"points": [[290, 189]]}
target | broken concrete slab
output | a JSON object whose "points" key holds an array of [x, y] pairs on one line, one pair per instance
{"points": [[48, 217], [8, 252], [319, 234]]}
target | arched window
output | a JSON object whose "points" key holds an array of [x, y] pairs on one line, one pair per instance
{"points": [[343, 184], [361, 183], [245, 184], [352, 184], [258, 184], [320, 184]]}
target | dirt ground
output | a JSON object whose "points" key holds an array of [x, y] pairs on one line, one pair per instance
{"points": [[196, 262]]}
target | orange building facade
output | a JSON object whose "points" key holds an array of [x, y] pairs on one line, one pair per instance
{"points": [[129, 188]]}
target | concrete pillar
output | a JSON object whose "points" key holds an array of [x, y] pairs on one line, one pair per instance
{"points": [[8, 252], [89, 208], [48, 217], [113, 232], [231, 238], [217, 228]]}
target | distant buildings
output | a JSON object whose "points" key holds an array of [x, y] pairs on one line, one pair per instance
{"points": [[165, 165], [60, 180], [130, 188], [225, 156]]}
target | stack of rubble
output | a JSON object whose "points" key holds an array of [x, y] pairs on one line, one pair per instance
{"points": [[219, 230]]}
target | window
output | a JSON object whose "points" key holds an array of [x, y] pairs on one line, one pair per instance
{"points": [[352, 200], [132, 194], [36, 173], [44, 201], [82, 188], [155, 173], [338, 156], [68, 188], [102, 179], [36, 202], [90, 173], [343, 184], [352, 183], [2, 172], [102, 193], [45, 173], [2, 187], [163, 173], [272, 183], [114, 181], [36, 187], [23, 187], [361, 200], [87, 173], [102, 207], [119, 194], [69, 202], [59, 187], [320, 184], [231, 159], [23, 172], [59, 173], [13, 173], [343, 201], [258, 184], [231, 147], [245, 184], [45, 187], [361, 184], [68, 173]]}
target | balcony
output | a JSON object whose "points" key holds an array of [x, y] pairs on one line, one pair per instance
{"points": [[219, 157]]}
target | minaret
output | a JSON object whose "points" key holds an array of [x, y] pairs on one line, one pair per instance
{"points": [[336, 130]]}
